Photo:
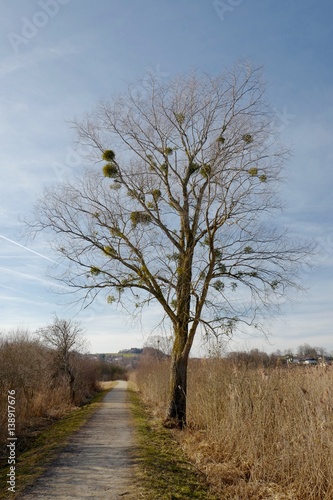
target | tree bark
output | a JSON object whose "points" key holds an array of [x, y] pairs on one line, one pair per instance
{"points": [[71, 387], [176, 414]]}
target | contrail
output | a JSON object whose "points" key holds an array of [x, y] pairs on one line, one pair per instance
{"points": [[29, 276], [27, 248]]}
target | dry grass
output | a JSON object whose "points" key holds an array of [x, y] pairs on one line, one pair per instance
{"points": [[164, 471], [256, 434]]}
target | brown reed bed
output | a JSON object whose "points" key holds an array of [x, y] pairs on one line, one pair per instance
{"points": [[256, 433]]}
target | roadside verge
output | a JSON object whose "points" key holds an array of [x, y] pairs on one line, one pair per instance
{"points": [[163, 468]]}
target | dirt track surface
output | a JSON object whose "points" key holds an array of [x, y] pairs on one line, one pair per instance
{"points": [[99, 460]]}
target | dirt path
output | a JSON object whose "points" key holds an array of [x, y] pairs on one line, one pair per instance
{"points": [[99, 460]]}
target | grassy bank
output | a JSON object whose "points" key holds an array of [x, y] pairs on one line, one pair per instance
{"points": [[38, 447], [164, 471]]}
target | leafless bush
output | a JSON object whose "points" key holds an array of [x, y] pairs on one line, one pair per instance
{"points": [[24, 367], [27, 366], [87, 374], [111, 371]]}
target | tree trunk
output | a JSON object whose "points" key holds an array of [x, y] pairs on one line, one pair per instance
{"points": [[71, 379], [176, 414], [68, 369]]}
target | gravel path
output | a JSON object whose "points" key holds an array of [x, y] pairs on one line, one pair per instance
{"points": [[99, 460]]}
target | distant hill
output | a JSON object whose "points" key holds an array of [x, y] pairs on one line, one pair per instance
{"points": [[129, 358], [133, 350]]}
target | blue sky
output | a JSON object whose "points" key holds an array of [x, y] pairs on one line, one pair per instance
{"points": [[59, 57]]}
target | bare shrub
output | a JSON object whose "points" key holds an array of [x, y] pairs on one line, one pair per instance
{"points": [[24, 367], [111, 371], [41, 392], [86, 376]]}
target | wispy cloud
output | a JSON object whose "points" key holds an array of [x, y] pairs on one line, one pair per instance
{"points": [[31, 277], [12, 289], [34, 57], [17, 297]]}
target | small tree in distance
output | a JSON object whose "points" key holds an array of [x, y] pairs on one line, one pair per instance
{"points": [[65, 338], [181, 211]]}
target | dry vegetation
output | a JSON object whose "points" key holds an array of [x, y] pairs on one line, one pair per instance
{"points": [[257, 433], [41, 388]]}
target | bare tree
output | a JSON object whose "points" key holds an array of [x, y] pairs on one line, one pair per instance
{"points": [[65, 338], [307, 351], [160, 343], [187, 220]]}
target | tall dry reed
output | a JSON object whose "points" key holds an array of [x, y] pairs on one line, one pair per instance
{"points": [[256, 433]]}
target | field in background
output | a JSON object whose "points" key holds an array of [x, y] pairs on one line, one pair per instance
{"points": [[256, 433]]}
